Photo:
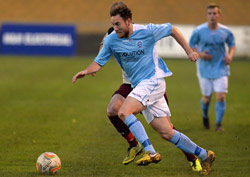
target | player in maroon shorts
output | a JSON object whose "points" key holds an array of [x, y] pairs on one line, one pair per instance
{"points": [[112, 111]]}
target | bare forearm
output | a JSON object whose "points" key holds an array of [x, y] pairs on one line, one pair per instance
{"points": [[92, 68], [177, 35], [229, 57], [195, 50], [231, 52]]}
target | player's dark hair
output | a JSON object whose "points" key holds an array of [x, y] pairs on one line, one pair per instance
{"points": [[120, 8], [213, 5]]}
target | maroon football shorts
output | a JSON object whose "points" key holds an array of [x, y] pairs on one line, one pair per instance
{"points": [[124, 90]]}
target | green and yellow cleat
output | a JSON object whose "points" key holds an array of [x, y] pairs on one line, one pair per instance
{"points": [[149, 157], [207, 164], [132, 153], [196, 165]]}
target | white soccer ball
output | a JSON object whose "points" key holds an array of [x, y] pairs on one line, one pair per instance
{"points": [[48, 163]]}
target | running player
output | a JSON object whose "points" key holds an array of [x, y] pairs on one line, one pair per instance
{"points": [[112, 111], [209, 40], [133, 48]]}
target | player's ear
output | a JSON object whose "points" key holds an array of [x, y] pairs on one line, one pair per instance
{"points": [[220, 14], [129, 22]]}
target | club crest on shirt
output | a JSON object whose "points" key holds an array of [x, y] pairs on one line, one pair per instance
{"points": [[139, 43]]}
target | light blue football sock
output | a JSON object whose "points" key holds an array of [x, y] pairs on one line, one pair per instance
{"points": [[220, 108], [184, 143], [139, 132], [204, 109]]}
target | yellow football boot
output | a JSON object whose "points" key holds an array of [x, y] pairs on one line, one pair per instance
{"points": [[207, 164], [196, 165], [149, 157], [132, 153]]}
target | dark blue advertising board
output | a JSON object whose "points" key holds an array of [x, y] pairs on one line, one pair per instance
{"points": [[38, 39]]}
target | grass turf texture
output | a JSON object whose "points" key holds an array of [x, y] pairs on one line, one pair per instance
{"points": [[41, 110]]}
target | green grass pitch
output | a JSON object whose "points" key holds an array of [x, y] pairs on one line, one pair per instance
{"points": [[41, 110]]}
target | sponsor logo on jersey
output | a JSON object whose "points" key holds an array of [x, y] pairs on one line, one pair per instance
{"points": [[131, 54]]}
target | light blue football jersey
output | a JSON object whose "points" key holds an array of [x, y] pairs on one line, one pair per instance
{"points": [[136, 54], [212, 41]]}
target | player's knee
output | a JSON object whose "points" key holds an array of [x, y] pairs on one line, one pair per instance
{"points": [[113, 110], [220, 97], [206, 99], [166, 136], [122, 114]]}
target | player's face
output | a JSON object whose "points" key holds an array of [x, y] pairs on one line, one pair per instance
{"points": [[213, 15], [121, 26]]}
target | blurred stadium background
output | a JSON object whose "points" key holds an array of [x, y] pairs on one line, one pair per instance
{"points": [[91, 18]]}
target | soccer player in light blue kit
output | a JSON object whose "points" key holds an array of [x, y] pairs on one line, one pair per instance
{"points": [[133, 48], [209, 40], [114, 105]]}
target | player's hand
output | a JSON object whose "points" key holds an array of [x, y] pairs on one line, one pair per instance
{"points": [[205, 56], [193, 56], [227, 60], [78, 75]]}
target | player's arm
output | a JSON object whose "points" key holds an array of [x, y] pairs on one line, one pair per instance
{"points": [[194, 40], [91, 69], [94, 66], [228, 58], [177, 35]]}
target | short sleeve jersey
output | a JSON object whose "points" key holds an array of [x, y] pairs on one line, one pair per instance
{"points": [[212, 41], [136, 54]]}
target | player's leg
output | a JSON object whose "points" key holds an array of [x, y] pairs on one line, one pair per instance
{"points": [[130, 107], [181, 141], [137, 100], [220, 108], [161, 108], [221, 88], [205, 102], [192, 159], [206, 87], [112, 111], [140, 97], [163, 127], [194, 162]]}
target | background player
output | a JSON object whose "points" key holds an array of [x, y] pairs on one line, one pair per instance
{"points": [[209, 40]]}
